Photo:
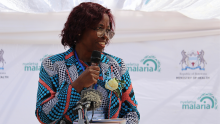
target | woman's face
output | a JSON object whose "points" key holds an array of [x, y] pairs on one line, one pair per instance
{"points": [[89, 38]]}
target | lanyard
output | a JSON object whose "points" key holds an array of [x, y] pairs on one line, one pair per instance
{"points": [[79, 61], [82, 65]]}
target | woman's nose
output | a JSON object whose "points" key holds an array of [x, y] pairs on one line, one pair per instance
{"points": [[105, 35]]}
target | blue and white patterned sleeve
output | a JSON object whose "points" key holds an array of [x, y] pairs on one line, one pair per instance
{"points": [[54, 98]]}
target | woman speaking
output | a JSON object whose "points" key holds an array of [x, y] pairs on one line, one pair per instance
{"points": [[62, 77]]}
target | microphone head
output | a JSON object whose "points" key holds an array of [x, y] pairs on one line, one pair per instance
{"points": [[96, 57], [92, 95]]}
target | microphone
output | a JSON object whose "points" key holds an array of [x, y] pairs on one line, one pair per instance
{"points": [[91, 99], [93, 96], [95, 58]]}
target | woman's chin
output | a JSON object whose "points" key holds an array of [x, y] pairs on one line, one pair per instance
{"points": [[100, 49]]}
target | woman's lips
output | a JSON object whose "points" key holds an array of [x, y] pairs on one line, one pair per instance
{"points": [[102, 44]]}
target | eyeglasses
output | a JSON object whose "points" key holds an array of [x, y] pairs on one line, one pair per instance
{"points": [[101, 32]]}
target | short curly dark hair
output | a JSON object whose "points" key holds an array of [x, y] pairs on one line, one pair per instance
{"points": [[81, 17]]}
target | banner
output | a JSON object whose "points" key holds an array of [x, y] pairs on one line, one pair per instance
{"points": [[175, 81]]}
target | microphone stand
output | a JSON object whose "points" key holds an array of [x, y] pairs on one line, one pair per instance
{"points": [[79, 108], [86, 106]]}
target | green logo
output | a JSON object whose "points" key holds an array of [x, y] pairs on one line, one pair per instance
{"points": [[31, 66], [148, 64], [45, 56], [205, 101], [34, 66]]}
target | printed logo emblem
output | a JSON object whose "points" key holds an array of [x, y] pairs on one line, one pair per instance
{"points": [[148, 64], [205, 101], [193, 60], [34, 66], [2, 61]]}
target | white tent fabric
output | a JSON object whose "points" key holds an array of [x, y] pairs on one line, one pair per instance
{"points": [[131, 26], [41, 21], [197, 9]]}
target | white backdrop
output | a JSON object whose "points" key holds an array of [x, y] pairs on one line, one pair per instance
{"points": [[166, 95]]}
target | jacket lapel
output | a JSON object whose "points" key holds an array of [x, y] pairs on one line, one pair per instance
{"points": [[114, 101]]}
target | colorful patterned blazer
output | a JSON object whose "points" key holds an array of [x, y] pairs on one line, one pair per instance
{"points": [[56, 98]]}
